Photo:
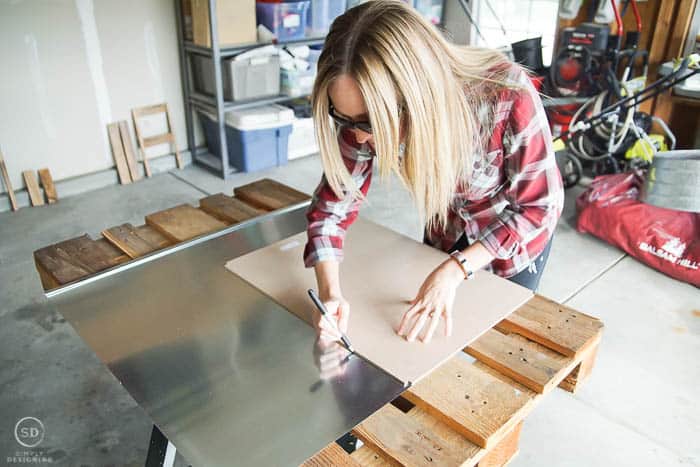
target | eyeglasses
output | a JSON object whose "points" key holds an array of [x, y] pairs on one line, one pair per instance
{"points": [[342, 121]]}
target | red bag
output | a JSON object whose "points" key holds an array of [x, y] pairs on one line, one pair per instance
{"points": [[664, 239]]}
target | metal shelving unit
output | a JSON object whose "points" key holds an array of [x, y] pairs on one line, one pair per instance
{"points": [[216, 105]]}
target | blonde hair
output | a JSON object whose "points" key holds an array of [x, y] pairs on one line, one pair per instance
{"points": [[399, 59]]}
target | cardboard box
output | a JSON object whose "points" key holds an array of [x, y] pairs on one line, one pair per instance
{"points": [[235, 22]]}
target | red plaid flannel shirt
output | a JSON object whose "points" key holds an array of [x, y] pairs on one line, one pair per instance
{"points": [[511, 201]]}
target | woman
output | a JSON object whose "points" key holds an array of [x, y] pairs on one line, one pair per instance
{"points": [[464, 130]]}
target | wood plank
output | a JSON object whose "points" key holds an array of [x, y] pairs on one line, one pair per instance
{"points": [[47, 183], [35, 195], [183, 222], [475, 404], [536, 370], [368, 457], [269, 195], [332, 454], [8, 184], [504, 451], [555, 326], [48, 281], [76, 258], [129, 151], [409, 442], [472, 452], [152, 236], [566, 378], [56, 268], [158, 139], [115, 141], [228, 209], [91, 255], [127, 239], [111, 253], [582, 371]]}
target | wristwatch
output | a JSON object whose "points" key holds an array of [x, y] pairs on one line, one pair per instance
{"points": [[463, 263]]}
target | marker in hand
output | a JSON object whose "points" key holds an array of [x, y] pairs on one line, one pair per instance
{"points": [[324, 313]]}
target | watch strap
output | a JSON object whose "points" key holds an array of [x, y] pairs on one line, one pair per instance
{"points": [[459, 257]]}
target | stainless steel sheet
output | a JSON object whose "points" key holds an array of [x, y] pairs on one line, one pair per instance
{"points": [[225, 373]]}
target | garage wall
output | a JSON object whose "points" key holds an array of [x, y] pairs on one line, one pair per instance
{"points": [[70, 67]]}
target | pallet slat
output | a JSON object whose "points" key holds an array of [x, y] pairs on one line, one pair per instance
{"points": [[269, 195], [407, 440], [183, 222], [367, 457], [473, 403], [528, 366], [504, 451], [471, 452], [553, 325], [333, 455], [228, 209]]}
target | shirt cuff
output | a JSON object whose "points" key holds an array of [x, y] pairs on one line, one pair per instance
{"points": [[321, 249], [499, 240]]}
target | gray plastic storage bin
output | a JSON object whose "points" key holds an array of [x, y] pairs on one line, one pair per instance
{"points": [[242, 79]]}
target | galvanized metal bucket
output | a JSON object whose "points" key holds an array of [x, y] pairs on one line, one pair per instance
{"points": [[673, 181]]}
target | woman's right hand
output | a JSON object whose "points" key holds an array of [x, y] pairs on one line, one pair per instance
{"points": [[338, 313], [328, 280]]}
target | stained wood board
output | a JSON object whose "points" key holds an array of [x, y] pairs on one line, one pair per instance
{"points": [[228, 209], [75, 258], [35, 195], [47, 183], [381, 272], [127, 239], [183, 222], [269, 195]]}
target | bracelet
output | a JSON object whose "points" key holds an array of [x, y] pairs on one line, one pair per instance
{"points": [[463, 263]]}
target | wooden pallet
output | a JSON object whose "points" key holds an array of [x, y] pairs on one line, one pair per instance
{"points": [[469, 411], [79, 257]]}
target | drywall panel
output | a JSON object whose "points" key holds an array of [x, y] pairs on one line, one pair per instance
{"points": [[72, 66]]}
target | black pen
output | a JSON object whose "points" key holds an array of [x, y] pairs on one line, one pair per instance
{"points": [[324, 313]]}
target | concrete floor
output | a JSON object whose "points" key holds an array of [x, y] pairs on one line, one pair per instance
{"points": [[639, 407]]}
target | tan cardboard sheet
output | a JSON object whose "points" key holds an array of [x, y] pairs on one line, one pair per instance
{"points": [[381, 271]]}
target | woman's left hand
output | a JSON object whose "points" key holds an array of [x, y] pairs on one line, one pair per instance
{"points": [[434, 300]]}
